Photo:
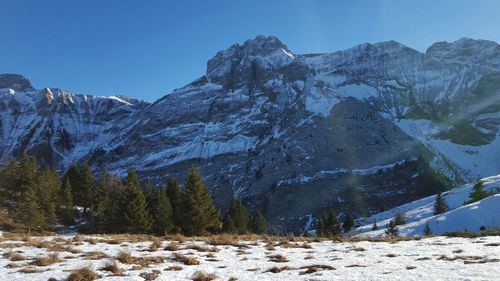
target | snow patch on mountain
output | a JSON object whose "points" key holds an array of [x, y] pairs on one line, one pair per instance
{"points": [[485, 212]]}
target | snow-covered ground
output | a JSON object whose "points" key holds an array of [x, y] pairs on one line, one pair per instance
{"points": [[437, 258], [485, 212]]}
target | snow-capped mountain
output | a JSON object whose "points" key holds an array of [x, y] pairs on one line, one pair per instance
{"points": [[55, 125], [294, 135]]}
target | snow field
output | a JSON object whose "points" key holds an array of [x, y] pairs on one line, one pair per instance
{"points": [[437, 258]]}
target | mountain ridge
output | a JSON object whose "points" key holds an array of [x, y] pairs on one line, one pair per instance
{"points": [[370, 124]]}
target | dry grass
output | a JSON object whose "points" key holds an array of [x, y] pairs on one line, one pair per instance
{"points": [[203, 276], [14, 265], [177, 237], [14, 256], [113, 267], [51, 246], [30, 270], [277, 269], [223, 239], [95, 255], [83, 274], [173, 268], [314, 268], [173, 246], [125, 257], [185, 259], [278, 258], [47, 260], [355, 265], [200, 248], [155, 244], [15, 236], [149, 276]]}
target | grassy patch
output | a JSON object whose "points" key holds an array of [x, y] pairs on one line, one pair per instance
{"points": [[83, 274], [203, 276], [185, 259]]}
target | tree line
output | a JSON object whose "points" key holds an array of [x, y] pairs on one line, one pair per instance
{"points": [[40, 199]]}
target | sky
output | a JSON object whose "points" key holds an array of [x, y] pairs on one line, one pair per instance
{"points": [[146, 49]]}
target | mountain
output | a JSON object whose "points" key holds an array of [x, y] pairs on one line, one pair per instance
{"points": [[459, 217], [55, 125], [294, 135]]}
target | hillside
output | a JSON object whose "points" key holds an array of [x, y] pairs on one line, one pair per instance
{"points": [[459, 217]]}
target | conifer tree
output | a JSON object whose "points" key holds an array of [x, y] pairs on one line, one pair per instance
{"points": [[257, 223], [74, 177], [66, 213], [392, 229], [162, 213], [440, 205], [136, 217], [29, 212], [238, 217], [113, 211], [228, 224], [348, 222], [174, 194], [399, 218], [87, 187], [199, 213], [427, 229], [329, 225], [374, 226], [47, 189], [478, 192]]}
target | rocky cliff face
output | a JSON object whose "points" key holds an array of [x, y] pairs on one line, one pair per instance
{"points": [[294, 135], [55, 125]]}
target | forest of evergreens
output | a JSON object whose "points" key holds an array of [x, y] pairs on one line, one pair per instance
{"points": [[38, 199]]}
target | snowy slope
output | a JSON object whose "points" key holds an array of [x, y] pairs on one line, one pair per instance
{"points": [[436, 258], [485, 212]]}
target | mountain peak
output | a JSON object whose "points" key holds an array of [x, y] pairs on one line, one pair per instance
{"points": [[15, 82], [464, 48], [262, 45]]}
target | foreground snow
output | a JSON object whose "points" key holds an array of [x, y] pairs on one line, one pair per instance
{"points": [[427, 259], [485, 213]]}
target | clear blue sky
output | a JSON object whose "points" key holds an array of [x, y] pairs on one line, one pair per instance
{"points": [[146, 49]]}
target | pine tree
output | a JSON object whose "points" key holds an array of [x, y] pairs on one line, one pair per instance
{"points": [[478, 192], [440, 205], [162, 213], [257, 223], [427, 229], [320, 227], [329, 225], [48, 189], [375, 226], [136, 217], [87, 187], [348, 223], [228, 224], [74, 177], [114, 211], [174, 194], [399, 218], [29, 212], [199, 212], [66, 213], [392, 229], [238, 217]]}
